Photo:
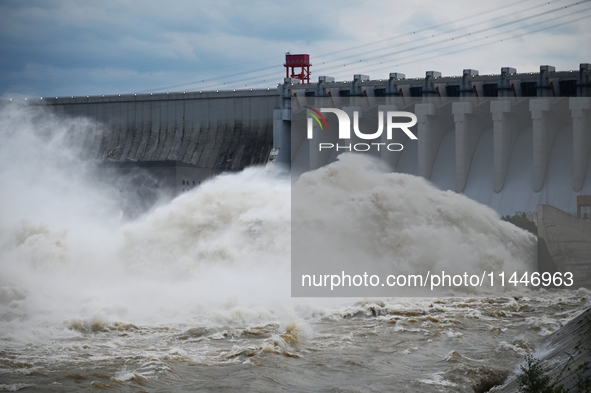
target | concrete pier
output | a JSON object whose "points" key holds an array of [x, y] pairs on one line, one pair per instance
{"points": [[564, 245]]}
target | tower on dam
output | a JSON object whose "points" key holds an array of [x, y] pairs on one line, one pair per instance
{"points": [[301, 62]]}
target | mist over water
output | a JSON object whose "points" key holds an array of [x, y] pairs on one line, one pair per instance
{"points": [[69, 253], [217, 254], [91, 296]]}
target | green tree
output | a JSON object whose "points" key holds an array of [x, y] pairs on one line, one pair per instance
{"points": [[533, 379], [521, 221]]}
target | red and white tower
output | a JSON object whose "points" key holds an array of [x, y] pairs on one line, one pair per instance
{"points": [[300, 61]]}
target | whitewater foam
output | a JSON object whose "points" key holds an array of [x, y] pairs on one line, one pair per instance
{"points": [[220, 254], [355, 216]]}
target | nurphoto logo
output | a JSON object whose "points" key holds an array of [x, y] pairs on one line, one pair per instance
{"points": [[344, 121]]}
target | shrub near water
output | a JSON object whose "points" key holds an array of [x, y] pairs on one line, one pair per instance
{"points": [[521, 221], [533, 379]]}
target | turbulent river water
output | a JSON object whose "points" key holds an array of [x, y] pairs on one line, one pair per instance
{"points": [[194, 295]]}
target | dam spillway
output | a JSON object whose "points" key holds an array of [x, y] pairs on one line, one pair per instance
{"points": [[510, 141], [220, 131], [508, 171]]}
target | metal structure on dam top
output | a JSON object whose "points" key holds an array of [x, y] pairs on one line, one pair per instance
{"points": [[467, 139]]}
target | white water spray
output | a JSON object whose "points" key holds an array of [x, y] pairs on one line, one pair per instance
{"points": [[219, 254]]}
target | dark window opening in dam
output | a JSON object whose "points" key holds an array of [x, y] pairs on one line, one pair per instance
{"points": [[379, 92], [568, 88], [490, 89], [529, 89], [416, 91], [452, 90]]}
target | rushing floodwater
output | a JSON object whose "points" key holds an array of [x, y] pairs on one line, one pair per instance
{"points": [[195, 294], [407, 345]]}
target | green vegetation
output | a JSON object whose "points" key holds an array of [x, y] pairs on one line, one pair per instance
{"points": [[521, 221], [533, 379], [584, 345]]}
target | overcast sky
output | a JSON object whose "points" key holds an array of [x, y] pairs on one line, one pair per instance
{"points": [[69, 47]]}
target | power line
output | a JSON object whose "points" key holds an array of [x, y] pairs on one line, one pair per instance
{"points": [[145, 64], [458, 50], [415, 48], [465, 35], [249, 29], [443, 24], [106, 71], [505, 39], [248, 77]]}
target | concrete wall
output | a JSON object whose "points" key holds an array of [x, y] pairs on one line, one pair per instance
{"points": [[221, 131], [568, 359], [510, 154], [510, 141], [564, 244]]}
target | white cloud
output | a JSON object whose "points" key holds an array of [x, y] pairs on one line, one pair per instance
{"points": [[70, 47]]}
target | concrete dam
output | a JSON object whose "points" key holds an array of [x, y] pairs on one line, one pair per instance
{"points": [[510, 140], [219, 131]]}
